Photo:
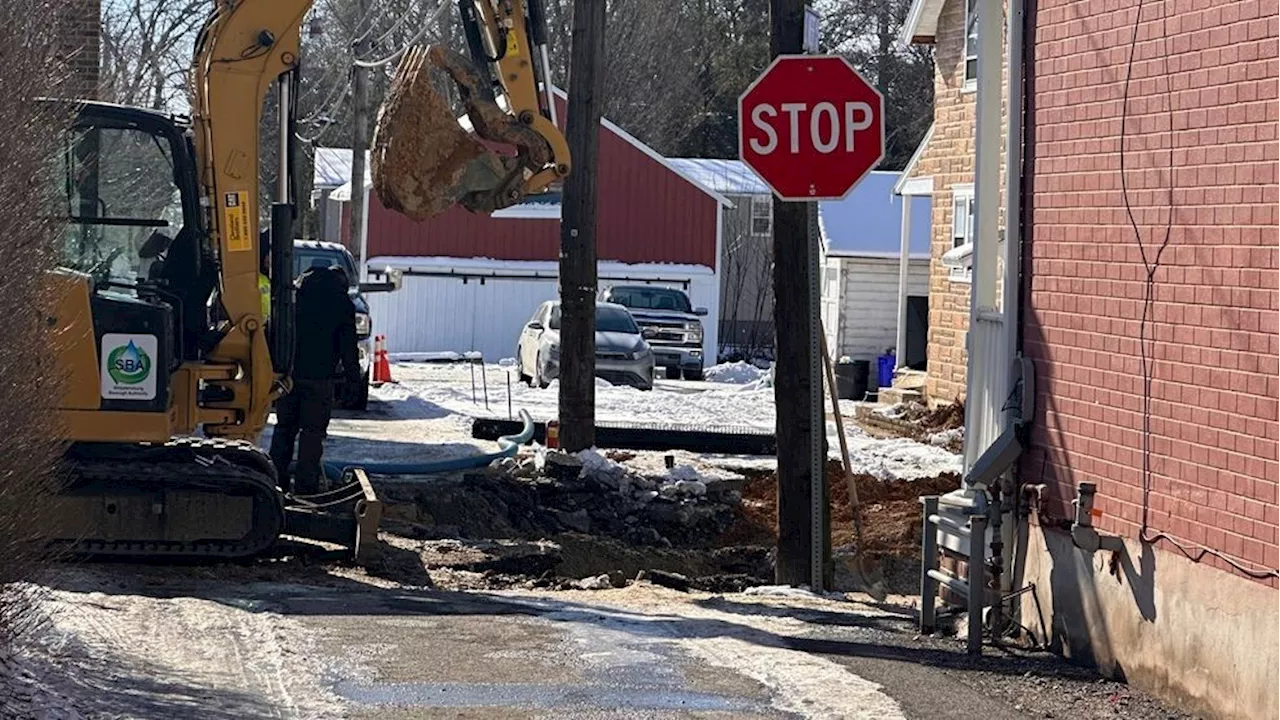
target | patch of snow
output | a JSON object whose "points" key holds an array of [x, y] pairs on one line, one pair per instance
{"points": [[737, 373], [947, 437], [786, 591], [599, 582], [894, 411], [445, 356], [898, 458], [23, 694]]}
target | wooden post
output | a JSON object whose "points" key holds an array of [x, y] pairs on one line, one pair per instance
{"points": [[796, 357], [578, 229], [359, 141]]}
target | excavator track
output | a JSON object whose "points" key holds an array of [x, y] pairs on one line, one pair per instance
{"points": [[191, 498]]}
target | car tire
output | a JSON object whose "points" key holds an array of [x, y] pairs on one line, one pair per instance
{"points": [[692, 373], [360, 402], [673, 373]]}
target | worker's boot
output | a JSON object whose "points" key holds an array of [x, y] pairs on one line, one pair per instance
{"points": [[423, 162]]}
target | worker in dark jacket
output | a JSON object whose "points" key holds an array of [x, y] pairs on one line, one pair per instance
{"points": [[325, 322]]}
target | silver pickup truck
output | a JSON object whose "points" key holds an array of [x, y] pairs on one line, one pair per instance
{"points": [[671, 325]]}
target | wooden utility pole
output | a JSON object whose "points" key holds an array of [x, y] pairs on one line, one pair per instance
{"points": [[797, 380], [359, 135], [578, 230]]}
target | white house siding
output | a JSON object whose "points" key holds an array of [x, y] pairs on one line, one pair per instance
{"points": [[471, 313], [868, 303]]}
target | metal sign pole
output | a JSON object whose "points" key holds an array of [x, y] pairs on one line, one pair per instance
{"points": [[817, 419]]}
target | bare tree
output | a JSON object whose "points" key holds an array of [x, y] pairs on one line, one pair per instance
{"points": [[146, 50], [33, 46]]}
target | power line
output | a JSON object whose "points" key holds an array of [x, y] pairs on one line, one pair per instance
{"points": [[427, 25]]}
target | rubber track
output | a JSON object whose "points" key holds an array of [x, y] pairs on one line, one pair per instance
{"points": [[194, 463]]}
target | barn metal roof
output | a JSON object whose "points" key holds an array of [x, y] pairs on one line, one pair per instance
{"points": [[333, 167]]}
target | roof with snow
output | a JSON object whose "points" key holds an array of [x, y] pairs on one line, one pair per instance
{"points": [[729, 177], [868, 222], [333, 167]]}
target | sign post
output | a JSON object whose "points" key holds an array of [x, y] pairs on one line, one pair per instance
{"points": [[811, 127]]}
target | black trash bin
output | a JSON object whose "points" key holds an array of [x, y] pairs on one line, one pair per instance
{"points": [[851, 379]]}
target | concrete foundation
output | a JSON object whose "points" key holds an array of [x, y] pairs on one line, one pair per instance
{"points": [[1199, 637]]}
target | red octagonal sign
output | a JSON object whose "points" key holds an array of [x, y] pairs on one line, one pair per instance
{"points": [[811, 127]]}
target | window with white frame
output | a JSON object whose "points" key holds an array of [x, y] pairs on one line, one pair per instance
{"points": [[971, 44], [961, 228], [761, 215]]}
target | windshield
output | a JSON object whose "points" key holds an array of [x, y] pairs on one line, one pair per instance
{"points": [[305, 258], [608, 319], [651, 299], [615, 320], [119, 194]]}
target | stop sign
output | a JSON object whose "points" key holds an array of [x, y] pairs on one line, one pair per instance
{"points": [[811, 127]]}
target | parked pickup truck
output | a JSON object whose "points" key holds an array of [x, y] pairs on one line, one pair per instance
{"points": [[669, 323]]}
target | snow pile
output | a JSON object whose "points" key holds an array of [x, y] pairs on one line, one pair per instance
{"points": [[737, 373]]}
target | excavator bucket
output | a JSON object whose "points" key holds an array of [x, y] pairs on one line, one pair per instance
{"points": [[423, 161]]}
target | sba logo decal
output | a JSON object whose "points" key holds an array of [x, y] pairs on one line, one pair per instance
{"points": [[129, 365]]}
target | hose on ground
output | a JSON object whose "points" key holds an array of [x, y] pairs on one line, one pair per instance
{"points": [[333, 469]]}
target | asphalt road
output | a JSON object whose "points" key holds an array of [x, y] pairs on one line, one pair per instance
{"points": [[309, 642]]}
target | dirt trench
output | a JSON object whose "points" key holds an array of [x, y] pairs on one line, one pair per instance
{"points": [[495, 529]]}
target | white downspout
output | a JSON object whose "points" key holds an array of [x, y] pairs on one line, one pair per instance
{"points": [[900, 352], [981, 379], [364, 233]]}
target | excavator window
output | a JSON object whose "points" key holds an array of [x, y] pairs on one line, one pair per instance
{"points": [[123, 203]]}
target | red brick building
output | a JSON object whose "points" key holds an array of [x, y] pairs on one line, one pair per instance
{"points": [[79, 31], [1180, 435]]}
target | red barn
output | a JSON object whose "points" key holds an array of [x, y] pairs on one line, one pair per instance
{"points": [[471, 281]]}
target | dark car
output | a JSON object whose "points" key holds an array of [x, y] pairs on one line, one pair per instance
{"points": [[669, 323], [314, 253]]}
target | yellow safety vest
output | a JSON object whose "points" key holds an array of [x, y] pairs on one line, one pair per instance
{"points": [[264, 291]]}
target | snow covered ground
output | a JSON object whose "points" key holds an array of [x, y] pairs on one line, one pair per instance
{"points": [[436, 402]]}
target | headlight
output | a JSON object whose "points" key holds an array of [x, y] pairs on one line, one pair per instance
{"points": [[638, 354], [364, 325]]}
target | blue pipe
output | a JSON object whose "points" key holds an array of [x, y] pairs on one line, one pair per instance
{"points": [[333, 469]]}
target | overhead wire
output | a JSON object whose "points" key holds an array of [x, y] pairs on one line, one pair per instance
{"points": [[428, 24], [1151, 265]]}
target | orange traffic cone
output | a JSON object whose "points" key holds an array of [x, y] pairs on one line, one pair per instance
{"points": [[381, 364]]}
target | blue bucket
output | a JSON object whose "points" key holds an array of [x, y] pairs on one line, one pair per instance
{"points": [[884, 367]]}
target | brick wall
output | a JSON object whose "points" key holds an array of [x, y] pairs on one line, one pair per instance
{"points": [[1214, 321], [79, 37], [949, 160]]}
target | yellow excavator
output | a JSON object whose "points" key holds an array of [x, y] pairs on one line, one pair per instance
{"points": [[170, 366]]}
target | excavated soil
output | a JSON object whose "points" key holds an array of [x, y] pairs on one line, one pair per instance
{"points": [[891, 510], [495, 529]]}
